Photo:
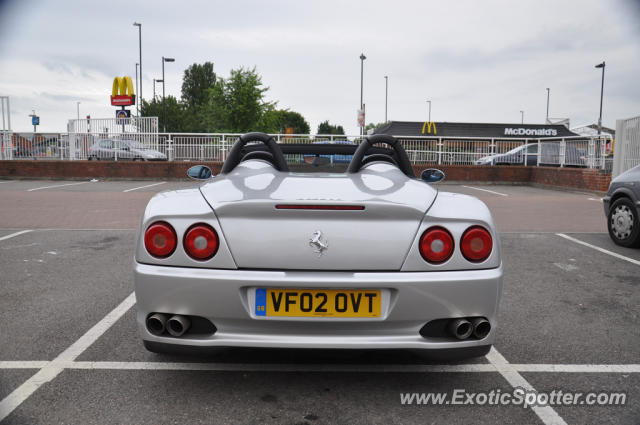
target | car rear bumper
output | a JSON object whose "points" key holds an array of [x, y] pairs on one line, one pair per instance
{"points": [[224, 297]]}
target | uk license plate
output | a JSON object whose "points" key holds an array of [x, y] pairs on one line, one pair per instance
{"points": [[318, 302]]}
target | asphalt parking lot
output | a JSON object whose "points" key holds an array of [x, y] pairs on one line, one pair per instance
{"points": [[70, 353]]}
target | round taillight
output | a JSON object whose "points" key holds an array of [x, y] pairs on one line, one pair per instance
{"points": [[436, 245], [201, 242], [160, 239], [476, 244]]}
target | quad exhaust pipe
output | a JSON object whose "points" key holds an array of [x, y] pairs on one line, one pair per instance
{"points": [[479, 327], [461, 328], [177, 325], [157, 323]]}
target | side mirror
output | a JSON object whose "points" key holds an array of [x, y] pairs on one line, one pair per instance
{"points": [[432, 175], [199, 172]]}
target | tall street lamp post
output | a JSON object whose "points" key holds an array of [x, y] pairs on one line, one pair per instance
{"points": [[548, 91], [139, 25], [154, 87], [521, 117], [164, 111], [386, 97], [78, 112], [362, 58], [601, 65], [138, 91], [429, 102]]}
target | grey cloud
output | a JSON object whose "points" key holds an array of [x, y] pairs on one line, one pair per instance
{"points": [[63, 97]]}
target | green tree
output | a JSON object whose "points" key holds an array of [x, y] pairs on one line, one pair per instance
{"points": [[223, 105], [215, 113], [326, 128], [235, 104], [373, 126], [195, 83], [245, 97], [176, 114], [278, 120]]}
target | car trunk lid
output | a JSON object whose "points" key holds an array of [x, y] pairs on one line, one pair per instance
{"points": [[289, 221]]}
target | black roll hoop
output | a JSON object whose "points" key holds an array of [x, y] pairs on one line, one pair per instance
{"points": [[401, 155], [235, 154]]}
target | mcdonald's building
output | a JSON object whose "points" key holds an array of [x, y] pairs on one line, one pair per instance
{"points": [[471, 131]]}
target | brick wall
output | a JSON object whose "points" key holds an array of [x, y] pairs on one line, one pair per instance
{"points": [[472, 173], [98, 169], [575, 178], [571, 178]]}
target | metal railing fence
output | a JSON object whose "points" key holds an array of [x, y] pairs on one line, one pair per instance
{"points": [[627, 149], [577, 151]]}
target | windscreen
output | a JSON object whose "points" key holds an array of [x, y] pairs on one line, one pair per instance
{"points": [[315, 162]]}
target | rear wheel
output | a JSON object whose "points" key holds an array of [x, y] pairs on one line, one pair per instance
{"points": [[623, 223]]}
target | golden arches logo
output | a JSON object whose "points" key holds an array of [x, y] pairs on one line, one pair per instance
{"points": [[122, 86], [122, 91], [427, 126]]}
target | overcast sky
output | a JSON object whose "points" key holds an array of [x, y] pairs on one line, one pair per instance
{"points": [[477, 61]]}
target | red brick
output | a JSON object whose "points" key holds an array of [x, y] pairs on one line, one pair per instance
{"points": [[571, 178]]}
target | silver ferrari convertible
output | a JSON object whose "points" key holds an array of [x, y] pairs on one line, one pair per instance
{"points": [[368, 258]]}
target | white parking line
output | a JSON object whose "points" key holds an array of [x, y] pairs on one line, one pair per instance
{"points": [[56, 185], [578, 368], [545, 413], [6, 181], [21, 232], [485, 190], [597, 248], [142, 187], [595, 199], [51, 370]]}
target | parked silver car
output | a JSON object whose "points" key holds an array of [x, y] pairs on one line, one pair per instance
{"points": [[373, 258], [622, 208], [110, 149]]}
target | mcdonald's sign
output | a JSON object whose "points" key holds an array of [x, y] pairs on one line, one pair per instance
{"points": [[427, 126], [122, 92]]}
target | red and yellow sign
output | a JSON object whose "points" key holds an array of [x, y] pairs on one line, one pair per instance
{"points": [[122, 92]]}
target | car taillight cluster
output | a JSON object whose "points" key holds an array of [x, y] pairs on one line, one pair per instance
{"points": [[476, 244], [437, 245], [160, 239], [200, 241]]}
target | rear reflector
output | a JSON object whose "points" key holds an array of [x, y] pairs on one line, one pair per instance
{"points": [[320, 207], [201, 242], [436, 245], [476, 244], [160, 239]]}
